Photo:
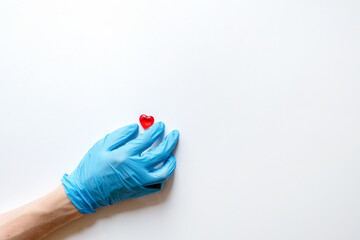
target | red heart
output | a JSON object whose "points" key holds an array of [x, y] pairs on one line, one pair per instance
{"points": [[146, 121]]}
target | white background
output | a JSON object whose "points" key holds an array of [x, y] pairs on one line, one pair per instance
{"points": [[265, 95]]}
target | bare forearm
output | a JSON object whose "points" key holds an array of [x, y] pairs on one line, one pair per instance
{"points": [[39, 218]]}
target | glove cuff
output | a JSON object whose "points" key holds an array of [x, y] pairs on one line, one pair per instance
{"points": [[77, 197]]}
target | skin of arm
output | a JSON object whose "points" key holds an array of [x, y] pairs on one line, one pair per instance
{"points": [[39, 218]]}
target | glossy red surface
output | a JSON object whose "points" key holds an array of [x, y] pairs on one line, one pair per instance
{"points": [[146, 121]]}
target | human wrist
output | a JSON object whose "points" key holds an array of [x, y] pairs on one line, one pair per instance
{"points": [[54, 210], [38, 218], [57, 205]]}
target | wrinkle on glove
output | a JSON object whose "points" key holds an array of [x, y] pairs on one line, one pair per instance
{"points": [[115, 169]]}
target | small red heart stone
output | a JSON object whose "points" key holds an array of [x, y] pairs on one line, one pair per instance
{"points": [[146, 121]]}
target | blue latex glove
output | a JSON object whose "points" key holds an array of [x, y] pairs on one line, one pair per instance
{"points": [[115, 169]]}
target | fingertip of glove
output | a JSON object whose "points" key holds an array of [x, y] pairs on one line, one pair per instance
{"points": [[159, 126], [173, 136], [176, 133], [134, 126], [173, 163]]}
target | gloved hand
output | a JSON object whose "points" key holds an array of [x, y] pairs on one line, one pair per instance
{"points": [[115, 169]]}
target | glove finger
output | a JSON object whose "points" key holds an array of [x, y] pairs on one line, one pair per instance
{"points": [[164, 172], [145, 140], [120, 136], [157, 155]]}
